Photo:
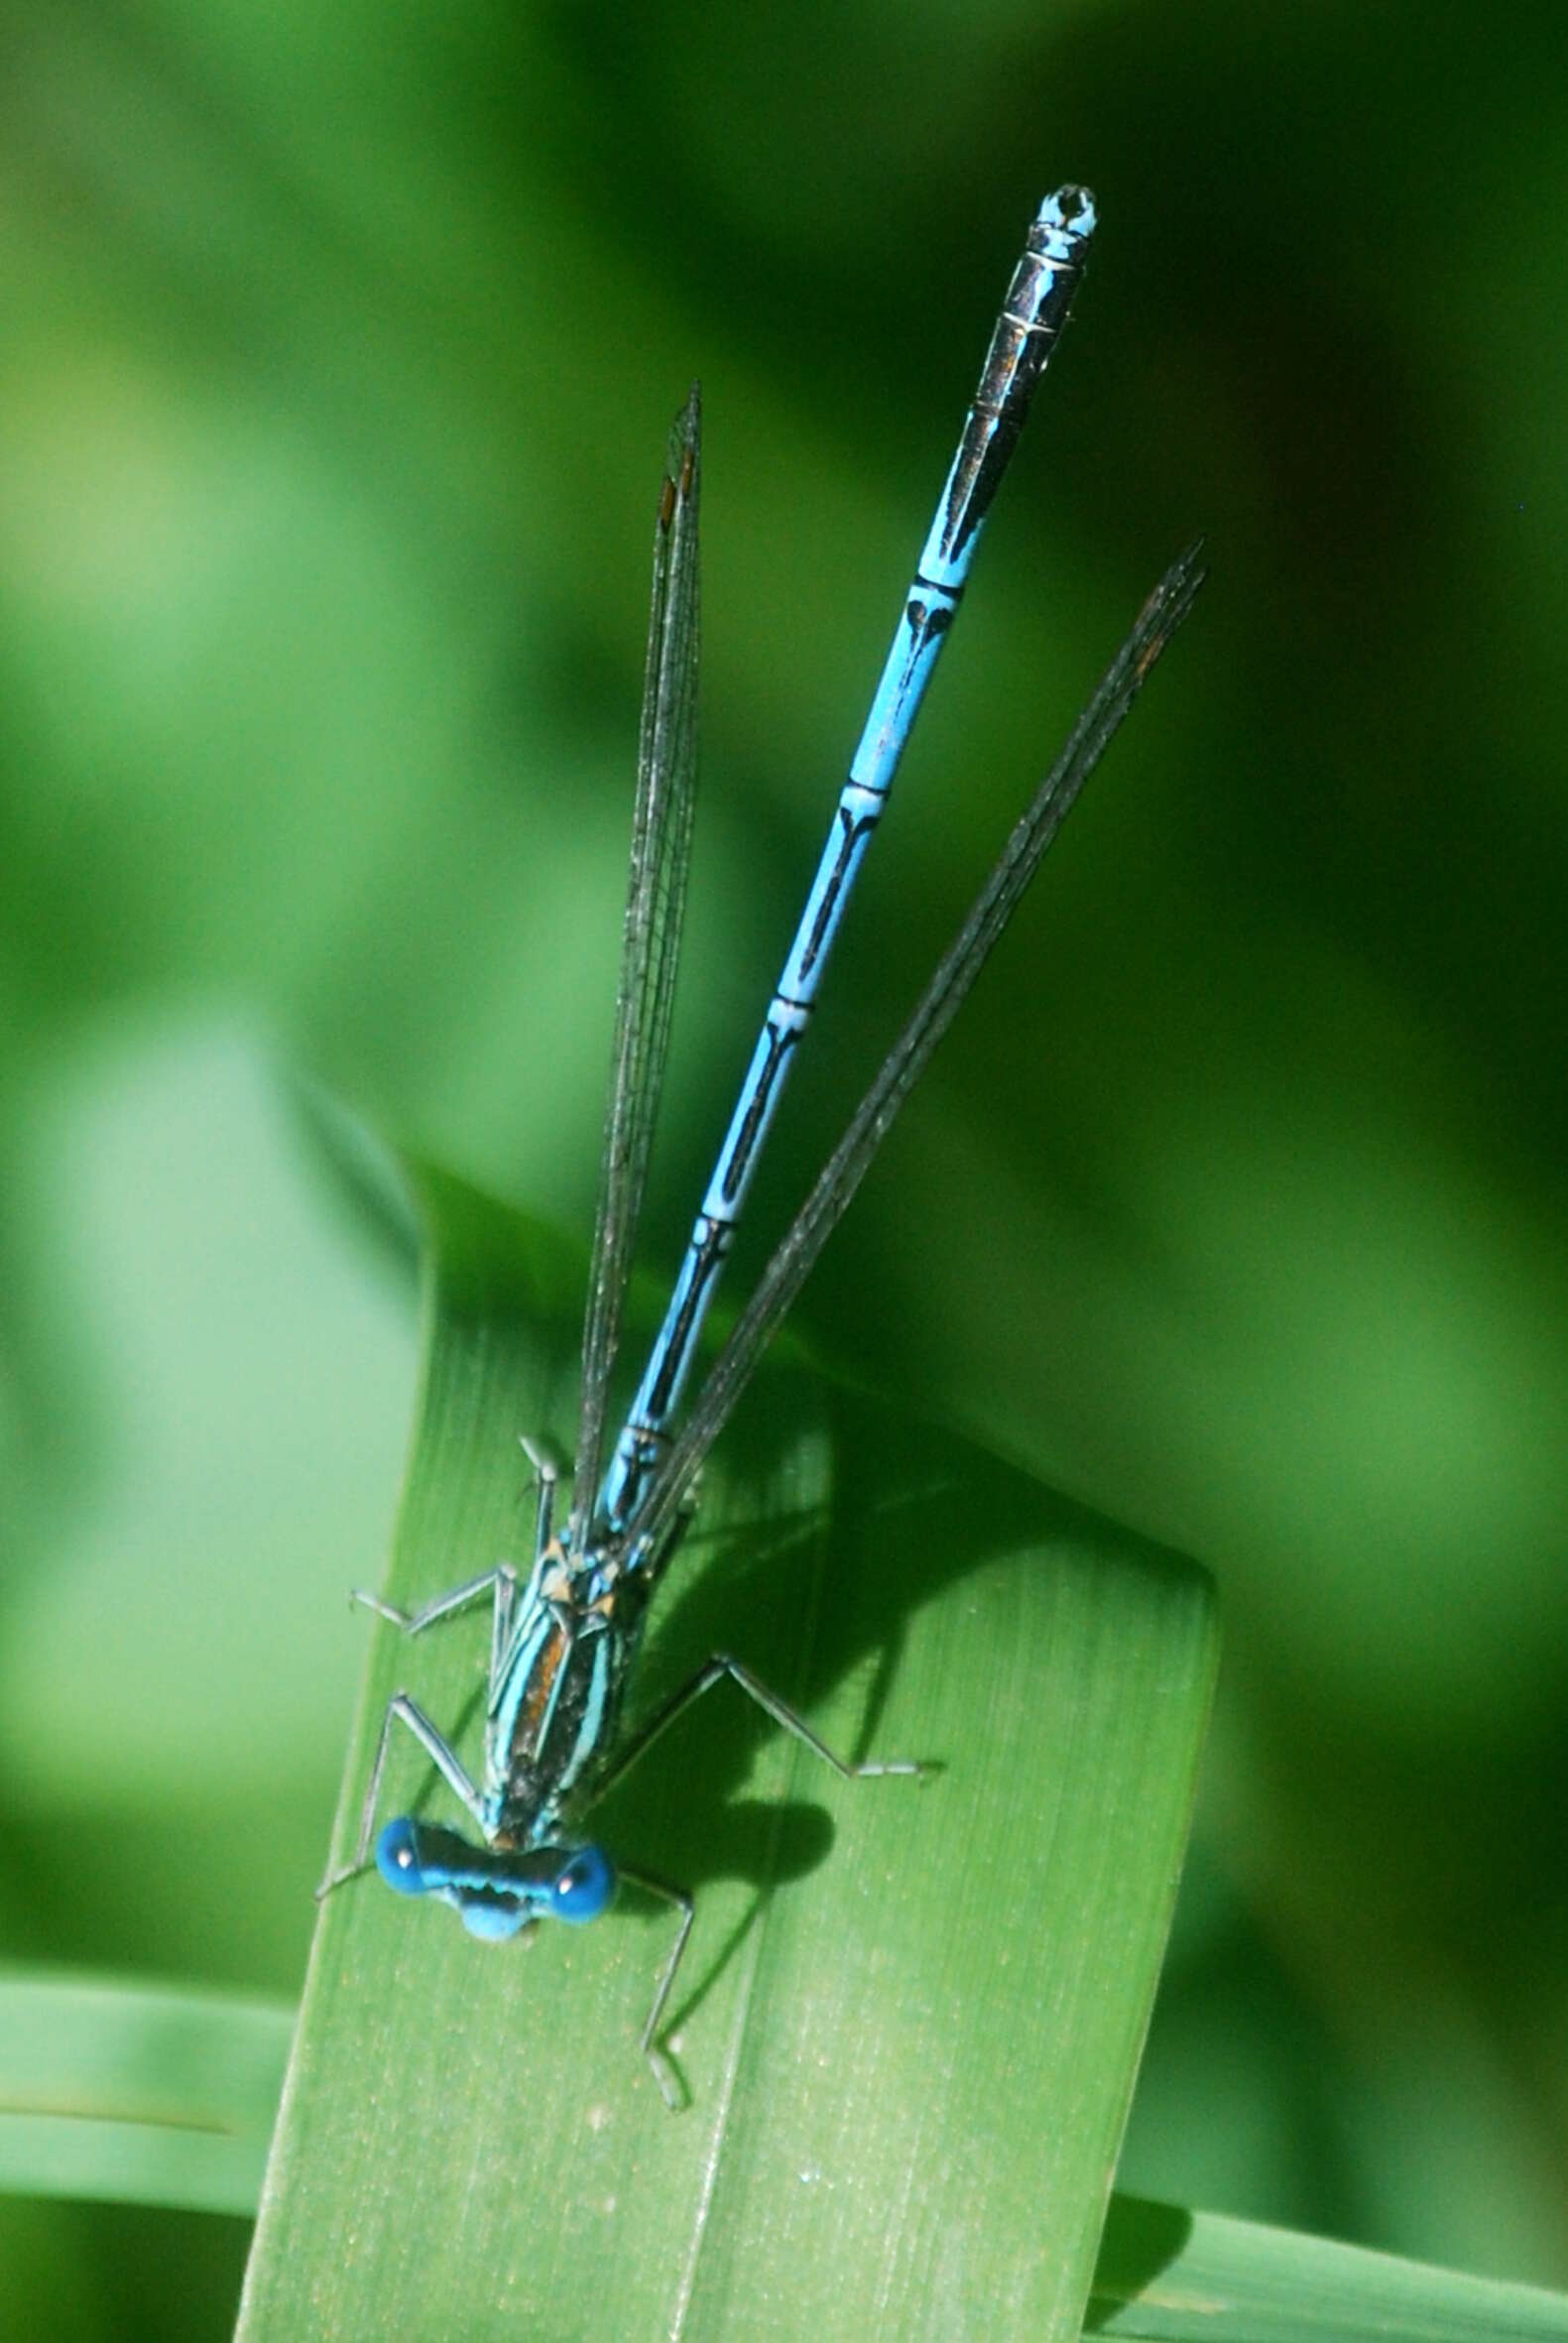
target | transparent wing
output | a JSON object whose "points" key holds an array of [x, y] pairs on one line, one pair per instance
{"points": [[786, 1273], [666, 772]]}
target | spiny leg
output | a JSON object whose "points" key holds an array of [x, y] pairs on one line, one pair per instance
{"points": [[402, 1710], [440, 1606], [503, 1579], [713, 1671], [547, 1473], [664, 2073]]}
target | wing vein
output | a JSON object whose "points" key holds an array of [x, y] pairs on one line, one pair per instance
{"points": [[666, 768]]}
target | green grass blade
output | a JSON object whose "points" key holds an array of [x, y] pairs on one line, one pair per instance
{"points": [[912, 2014], [137, 2094], [142, 2095], [1197, 2278]]}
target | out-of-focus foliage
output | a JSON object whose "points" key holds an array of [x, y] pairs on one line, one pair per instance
{"points": [[338, 352]]}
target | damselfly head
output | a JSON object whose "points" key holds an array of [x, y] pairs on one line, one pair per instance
{"points": [[496, 1892]]}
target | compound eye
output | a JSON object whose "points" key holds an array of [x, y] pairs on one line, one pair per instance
{"points": [[584, 1886], [398, 1857]]}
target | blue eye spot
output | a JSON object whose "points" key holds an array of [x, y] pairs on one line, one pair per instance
{"points": [[398, 1857], [585, 1887]]}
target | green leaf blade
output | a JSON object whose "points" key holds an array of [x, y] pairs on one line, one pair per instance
{"points": [[911, 2014], [137, 2094], [1170, 2277]]}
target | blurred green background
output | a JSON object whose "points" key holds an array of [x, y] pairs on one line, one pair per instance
{"points": [[340, 345]]}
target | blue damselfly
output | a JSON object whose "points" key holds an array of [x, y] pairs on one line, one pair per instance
{"points": [[563, 1636]]}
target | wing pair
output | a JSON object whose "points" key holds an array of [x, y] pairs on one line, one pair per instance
{"points": [[656, 901]]}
